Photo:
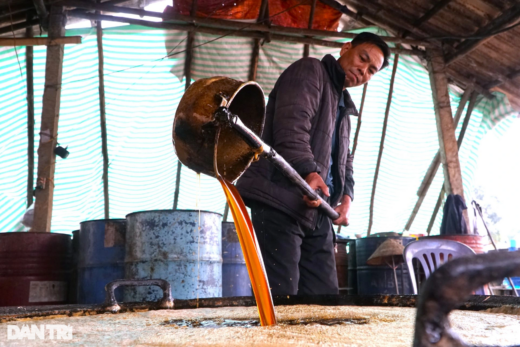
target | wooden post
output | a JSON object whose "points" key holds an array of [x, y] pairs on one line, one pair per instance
{"points": [[358, 127], [102, 117], [434, 166], [446, 130], [435, 211], [382, 144], [471, 106], [29, 65], [253, 68], [49, 125], [311, 19]]}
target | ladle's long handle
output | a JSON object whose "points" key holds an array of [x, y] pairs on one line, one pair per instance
{"points": [[281, 164]]}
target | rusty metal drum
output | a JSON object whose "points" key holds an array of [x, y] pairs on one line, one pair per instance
{"points": [[183, 247], [194, 136], [235, 278], [100, 258], [34, 268]]}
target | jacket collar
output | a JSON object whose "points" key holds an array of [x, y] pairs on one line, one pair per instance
{"points": [[337, 76]]}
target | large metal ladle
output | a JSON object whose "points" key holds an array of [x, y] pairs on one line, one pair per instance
{"points": [[238, 110]]}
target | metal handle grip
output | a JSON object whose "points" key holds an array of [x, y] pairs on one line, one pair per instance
{"points": [[281, 164], [111, 302]]}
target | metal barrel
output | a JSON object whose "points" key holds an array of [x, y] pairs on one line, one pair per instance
{"points": [[475, 242], [100, 259], [235, 278], [352, 267], [341, 256], [183, 247], [380, 279], [34, 268]]}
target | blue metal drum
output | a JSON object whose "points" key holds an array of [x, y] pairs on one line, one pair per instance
{"points": [[100, 259], [235, 278], [180, 246]]}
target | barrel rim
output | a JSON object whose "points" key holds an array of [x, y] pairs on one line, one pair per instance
{"points": [[104, 220], [201, 211]]}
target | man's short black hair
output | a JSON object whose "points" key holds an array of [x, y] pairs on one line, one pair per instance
{"points": [[366, 37]]}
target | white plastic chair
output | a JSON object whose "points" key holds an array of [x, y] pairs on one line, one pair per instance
{"points": [[432, 254]]}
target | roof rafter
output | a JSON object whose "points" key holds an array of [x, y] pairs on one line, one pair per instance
{"points": [[506, 18]]}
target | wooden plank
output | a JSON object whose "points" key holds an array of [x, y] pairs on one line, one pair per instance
{"points": [[382, 143], [39, 41], [102, 117], [486, 32], [306, 47], [29, 66], [434, 166], [445, 128], [358, 127], [49, 124]]}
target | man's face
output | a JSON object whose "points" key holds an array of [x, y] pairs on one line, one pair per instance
{"points": [[360, 63]]}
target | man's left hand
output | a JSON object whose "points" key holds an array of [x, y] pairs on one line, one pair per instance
{"points": [[344, 211]]}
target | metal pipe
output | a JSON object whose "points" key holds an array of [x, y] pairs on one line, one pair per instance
{"points": [[266, 151]]}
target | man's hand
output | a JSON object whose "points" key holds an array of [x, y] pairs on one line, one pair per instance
{"points": [[315, 181], [343, 210]]}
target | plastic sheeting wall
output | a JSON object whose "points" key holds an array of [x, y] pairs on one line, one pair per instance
{"points": [[143, 87]]}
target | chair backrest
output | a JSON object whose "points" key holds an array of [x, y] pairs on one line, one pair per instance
{"points": [[432, 254]]}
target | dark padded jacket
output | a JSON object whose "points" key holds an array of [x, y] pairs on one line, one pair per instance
{"points": [[300, 119]]}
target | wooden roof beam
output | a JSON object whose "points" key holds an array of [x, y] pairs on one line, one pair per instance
{"points": [[505, 19], [229, 32], [428, 15], [508, 78], [18, 26], [229, 24]]}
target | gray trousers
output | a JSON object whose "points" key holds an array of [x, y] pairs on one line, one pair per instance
{"points": [[298, 261]]}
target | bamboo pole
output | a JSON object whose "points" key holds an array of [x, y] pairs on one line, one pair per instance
{"points": [[435, 211], [29, 65], [49, 125], [255, 54], [382, 144], [226, 212], [18, 26], [102, 117], [358, 127], [187, 73], [434, 166], [306, 47]]}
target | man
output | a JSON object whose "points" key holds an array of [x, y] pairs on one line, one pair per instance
{"points": [[308, 123]]}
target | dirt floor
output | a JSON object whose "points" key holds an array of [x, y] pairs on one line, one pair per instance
{"points": [[318, 325]]}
